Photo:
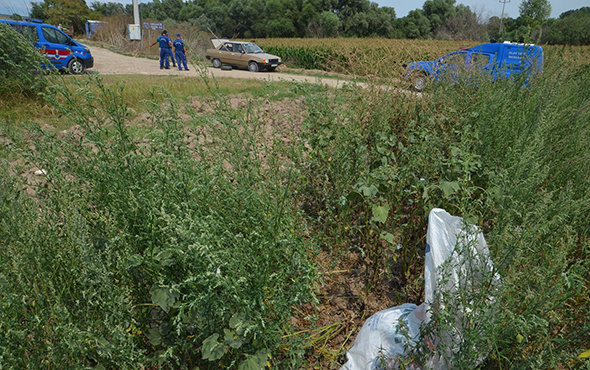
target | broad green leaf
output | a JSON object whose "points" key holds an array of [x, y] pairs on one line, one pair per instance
{"points": [[519, 338], [154, 336], [255, 362], [387, 236], [449, 187], [212, 350], [585, 354], [369, 191], [380, 213], [236, 320], [163, 296], [239, 323], [134, 261], [231, 339]]}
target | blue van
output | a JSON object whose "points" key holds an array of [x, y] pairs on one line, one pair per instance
{"points": [[62, 51], [493, 60]]}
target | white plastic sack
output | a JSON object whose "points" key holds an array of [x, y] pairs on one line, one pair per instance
{"points": [[381, 339], [389, 335]]}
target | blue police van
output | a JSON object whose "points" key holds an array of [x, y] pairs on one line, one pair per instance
{"points": [[492, 60], [60, 49]]}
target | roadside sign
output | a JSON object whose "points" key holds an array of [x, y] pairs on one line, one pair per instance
{"points": [[153, 25]]}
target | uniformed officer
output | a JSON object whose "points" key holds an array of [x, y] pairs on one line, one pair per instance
{"points": [[180, 51], [165, 49]]}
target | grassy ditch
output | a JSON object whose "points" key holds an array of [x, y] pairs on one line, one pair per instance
{"points": [[197, 223]]}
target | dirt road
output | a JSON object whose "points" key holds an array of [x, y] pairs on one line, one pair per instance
{"points": [[107, 62]]}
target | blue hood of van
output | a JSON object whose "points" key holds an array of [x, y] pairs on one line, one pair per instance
{"points": [[427, 66]]}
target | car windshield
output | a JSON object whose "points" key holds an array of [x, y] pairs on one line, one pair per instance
{"points": [[253, 49]]}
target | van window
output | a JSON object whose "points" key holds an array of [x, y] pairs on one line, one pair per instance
{"points": [[455, 58], [29, 32], [54, 36], [479, 59]]}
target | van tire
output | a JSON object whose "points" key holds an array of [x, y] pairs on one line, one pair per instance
{"points": [[419, 80], [76, 66]]}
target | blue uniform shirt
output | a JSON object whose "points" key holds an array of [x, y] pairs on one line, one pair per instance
{"points": [[164, 41], [179, 45]]}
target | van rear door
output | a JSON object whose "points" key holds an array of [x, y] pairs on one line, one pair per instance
{"points": [[56, 46]]}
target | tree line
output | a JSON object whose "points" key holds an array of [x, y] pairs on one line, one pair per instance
{"points": [[442, 19]]}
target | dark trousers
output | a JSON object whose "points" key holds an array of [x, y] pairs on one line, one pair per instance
{"points": [[180, 57]]}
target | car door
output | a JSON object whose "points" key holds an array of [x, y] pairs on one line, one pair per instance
{"points": [[479, 66], [233, 54], [240, 56], [56, 46], [451, 66]]}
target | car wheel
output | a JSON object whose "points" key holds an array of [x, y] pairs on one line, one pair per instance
{"points": [[271, 69], [419, 80], [253, 67], [76, 66], [216, 63]]}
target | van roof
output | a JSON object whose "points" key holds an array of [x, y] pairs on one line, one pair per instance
{"points": [[25, 21], [494, 48]]}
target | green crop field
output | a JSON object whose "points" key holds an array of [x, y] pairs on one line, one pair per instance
{"points": [[202, 223]]}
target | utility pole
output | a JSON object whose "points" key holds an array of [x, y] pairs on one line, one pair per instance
{"points": [[136, 21], [502, 17]]}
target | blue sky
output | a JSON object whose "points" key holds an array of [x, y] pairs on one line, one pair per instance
{"points": [[487, 8]]}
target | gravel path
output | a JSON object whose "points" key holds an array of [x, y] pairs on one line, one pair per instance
{"points": [[107, 62]]}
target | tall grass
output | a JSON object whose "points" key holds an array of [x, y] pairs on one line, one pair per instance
{"points": [[138, 250], [509, 158], [359, 56], [194, 241], [20, 66]]}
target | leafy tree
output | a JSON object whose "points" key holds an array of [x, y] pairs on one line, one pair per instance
{"points": [[310, 12], [383, 21], [329, 23], [437, 11], [572, 27], [462, 25], [282, 19], [348, 8], [576, 12], [415, 25], [249, 17], [191, 11], [281, 27], [357, 25], [532, 15], [537, 10], [493, 27], [67, 12], [108, 9]]}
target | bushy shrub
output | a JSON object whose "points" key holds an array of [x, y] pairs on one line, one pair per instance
{"points": [[20, 65], [143, 251]]}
